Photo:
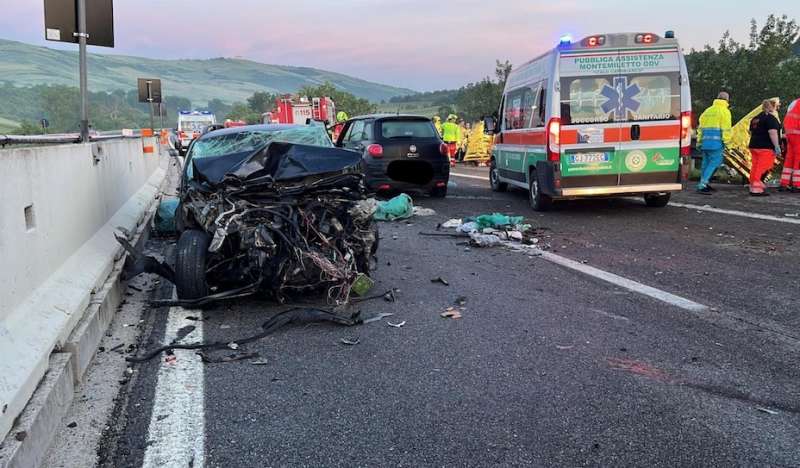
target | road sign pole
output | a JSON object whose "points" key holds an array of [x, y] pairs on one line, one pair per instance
{"points": [[82, 37]]}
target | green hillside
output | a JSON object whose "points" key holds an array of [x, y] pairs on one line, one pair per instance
{"points": [[229, 80]]}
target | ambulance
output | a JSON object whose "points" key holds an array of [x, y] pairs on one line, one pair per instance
{"points": [[190, 126], [609, 115]]}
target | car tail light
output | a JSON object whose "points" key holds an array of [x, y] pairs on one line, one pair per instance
{"points": [[384, 187], [441, 184], [686, 133], [646, 38], [376, 151], [554, 139], [444, 150], [594, 41]]}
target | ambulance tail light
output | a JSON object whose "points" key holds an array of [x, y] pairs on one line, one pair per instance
{"points": [[594, 41], [686, 133], [646, 38], [554, 140], [376, 151]]}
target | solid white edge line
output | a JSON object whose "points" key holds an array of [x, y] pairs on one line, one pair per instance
{"points": [[467, 176], [743, 214], [630, 285], [176, 434]]}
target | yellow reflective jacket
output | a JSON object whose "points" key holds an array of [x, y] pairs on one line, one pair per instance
{"points": [[715, 124], [451, 132]]}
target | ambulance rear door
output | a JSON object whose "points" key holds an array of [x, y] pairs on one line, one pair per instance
{"points": [[590, 132]]}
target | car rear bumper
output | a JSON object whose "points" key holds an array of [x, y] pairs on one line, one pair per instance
{"points": [[381, 175]]}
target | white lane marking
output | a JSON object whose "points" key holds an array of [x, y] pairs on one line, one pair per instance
{"points": [[467, 176], [176, 435], [743, 214], [630, 285]]}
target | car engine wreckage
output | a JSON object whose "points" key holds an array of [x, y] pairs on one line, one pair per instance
{"points": [[283, 220]]}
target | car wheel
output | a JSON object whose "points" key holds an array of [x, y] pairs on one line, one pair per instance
{"points": [[439, 192], [539, 201], [494, 179], [657, 200], [190, 265]]}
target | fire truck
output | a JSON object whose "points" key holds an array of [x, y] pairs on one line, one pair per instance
{"points": [[292, 109]]}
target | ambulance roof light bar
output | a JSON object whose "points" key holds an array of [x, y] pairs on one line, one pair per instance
{"points": [[646, 38], [566, 39]]}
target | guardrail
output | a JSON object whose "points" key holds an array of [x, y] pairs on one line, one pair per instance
{"points": [[61, 138]]}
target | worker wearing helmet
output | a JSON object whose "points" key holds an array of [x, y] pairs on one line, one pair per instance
{"points": [[451, 134], [790, 177], [713, 135], [437, 122], [341, 118]]}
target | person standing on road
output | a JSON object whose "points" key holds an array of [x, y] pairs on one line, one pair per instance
{"points": [[451, 134], [713, 135], [764, 146], [790, 177], [341, 118], [437, 122]]}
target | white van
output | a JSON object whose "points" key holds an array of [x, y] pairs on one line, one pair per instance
{"points": [[609, 115], [191, 125]]}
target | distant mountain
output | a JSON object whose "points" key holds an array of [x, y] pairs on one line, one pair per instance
{"points": [[199, 80]]}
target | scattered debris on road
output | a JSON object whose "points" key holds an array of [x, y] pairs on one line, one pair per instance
{"points": [[767, 410], [295, 315], [490, 230], [399, 207], [451, 313], [396, 325], [440, 280], [349, 342]]}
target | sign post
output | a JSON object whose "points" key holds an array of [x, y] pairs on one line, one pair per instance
{"points": [[85, 22], [150, 92], [83, 67]]}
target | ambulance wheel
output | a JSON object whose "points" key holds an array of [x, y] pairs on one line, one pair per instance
{"points": [[494, 179], [190, 265], [657, 200], [539, 201]]}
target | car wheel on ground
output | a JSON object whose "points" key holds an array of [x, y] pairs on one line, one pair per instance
{"points": [[494, 179], [657, 200], [190, 265], [539, 201]]}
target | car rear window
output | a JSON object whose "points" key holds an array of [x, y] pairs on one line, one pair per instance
{"points": [[407, 129]]}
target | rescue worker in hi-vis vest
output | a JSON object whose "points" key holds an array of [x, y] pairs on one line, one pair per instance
{"points": [[437, 122], [341, 118], [790, 177], [713, 135], [451, 134], [765, 146]]}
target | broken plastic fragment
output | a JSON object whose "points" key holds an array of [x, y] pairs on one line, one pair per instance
{"points": [[396, 325], [233, 346], [440, 280], [349, 342], [451, 313]]}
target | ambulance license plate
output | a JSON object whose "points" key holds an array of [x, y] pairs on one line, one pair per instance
{"points": [[588, 158]]}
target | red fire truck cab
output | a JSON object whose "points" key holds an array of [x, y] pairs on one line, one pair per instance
{"points": [[292, 109]]}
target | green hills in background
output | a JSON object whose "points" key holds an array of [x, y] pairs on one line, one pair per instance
{"points": [[229, 80]]}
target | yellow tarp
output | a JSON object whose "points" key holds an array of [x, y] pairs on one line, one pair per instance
{"points": [[479, 146]]}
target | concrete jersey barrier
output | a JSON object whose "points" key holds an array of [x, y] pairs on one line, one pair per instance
{"points": [[59, 207]]}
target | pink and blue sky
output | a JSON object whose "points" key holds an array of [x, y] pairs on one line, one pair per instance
{"points": [[419, 44]]}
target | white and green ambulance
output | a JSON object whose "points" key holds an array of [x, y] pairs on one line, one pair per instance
{"points": [[609, 115]]}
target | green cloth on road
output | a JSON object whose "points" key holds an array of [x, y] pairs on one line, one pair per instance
{"points": [[399, 207], [496, 220]]}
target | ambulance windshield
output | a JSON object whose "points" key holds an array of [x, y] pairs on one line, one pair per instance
{"points": [[620, 98]]}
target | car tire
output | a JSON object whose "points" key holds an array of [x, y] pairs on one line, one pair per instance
{"points": [[539, 201], [657, 200], [494, 179], [190, 265], [439, 192]]}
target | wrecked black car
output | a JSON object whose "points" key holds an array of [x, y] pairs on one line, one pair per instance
{"points": [[274, 209]]}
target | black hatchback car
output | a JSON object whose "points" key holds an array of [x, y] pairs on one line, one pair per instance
{"points": [[400, 153]]}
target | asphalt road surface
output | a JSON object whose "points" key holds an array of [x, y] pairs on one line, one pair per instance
{"points": [[597, 363]]}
